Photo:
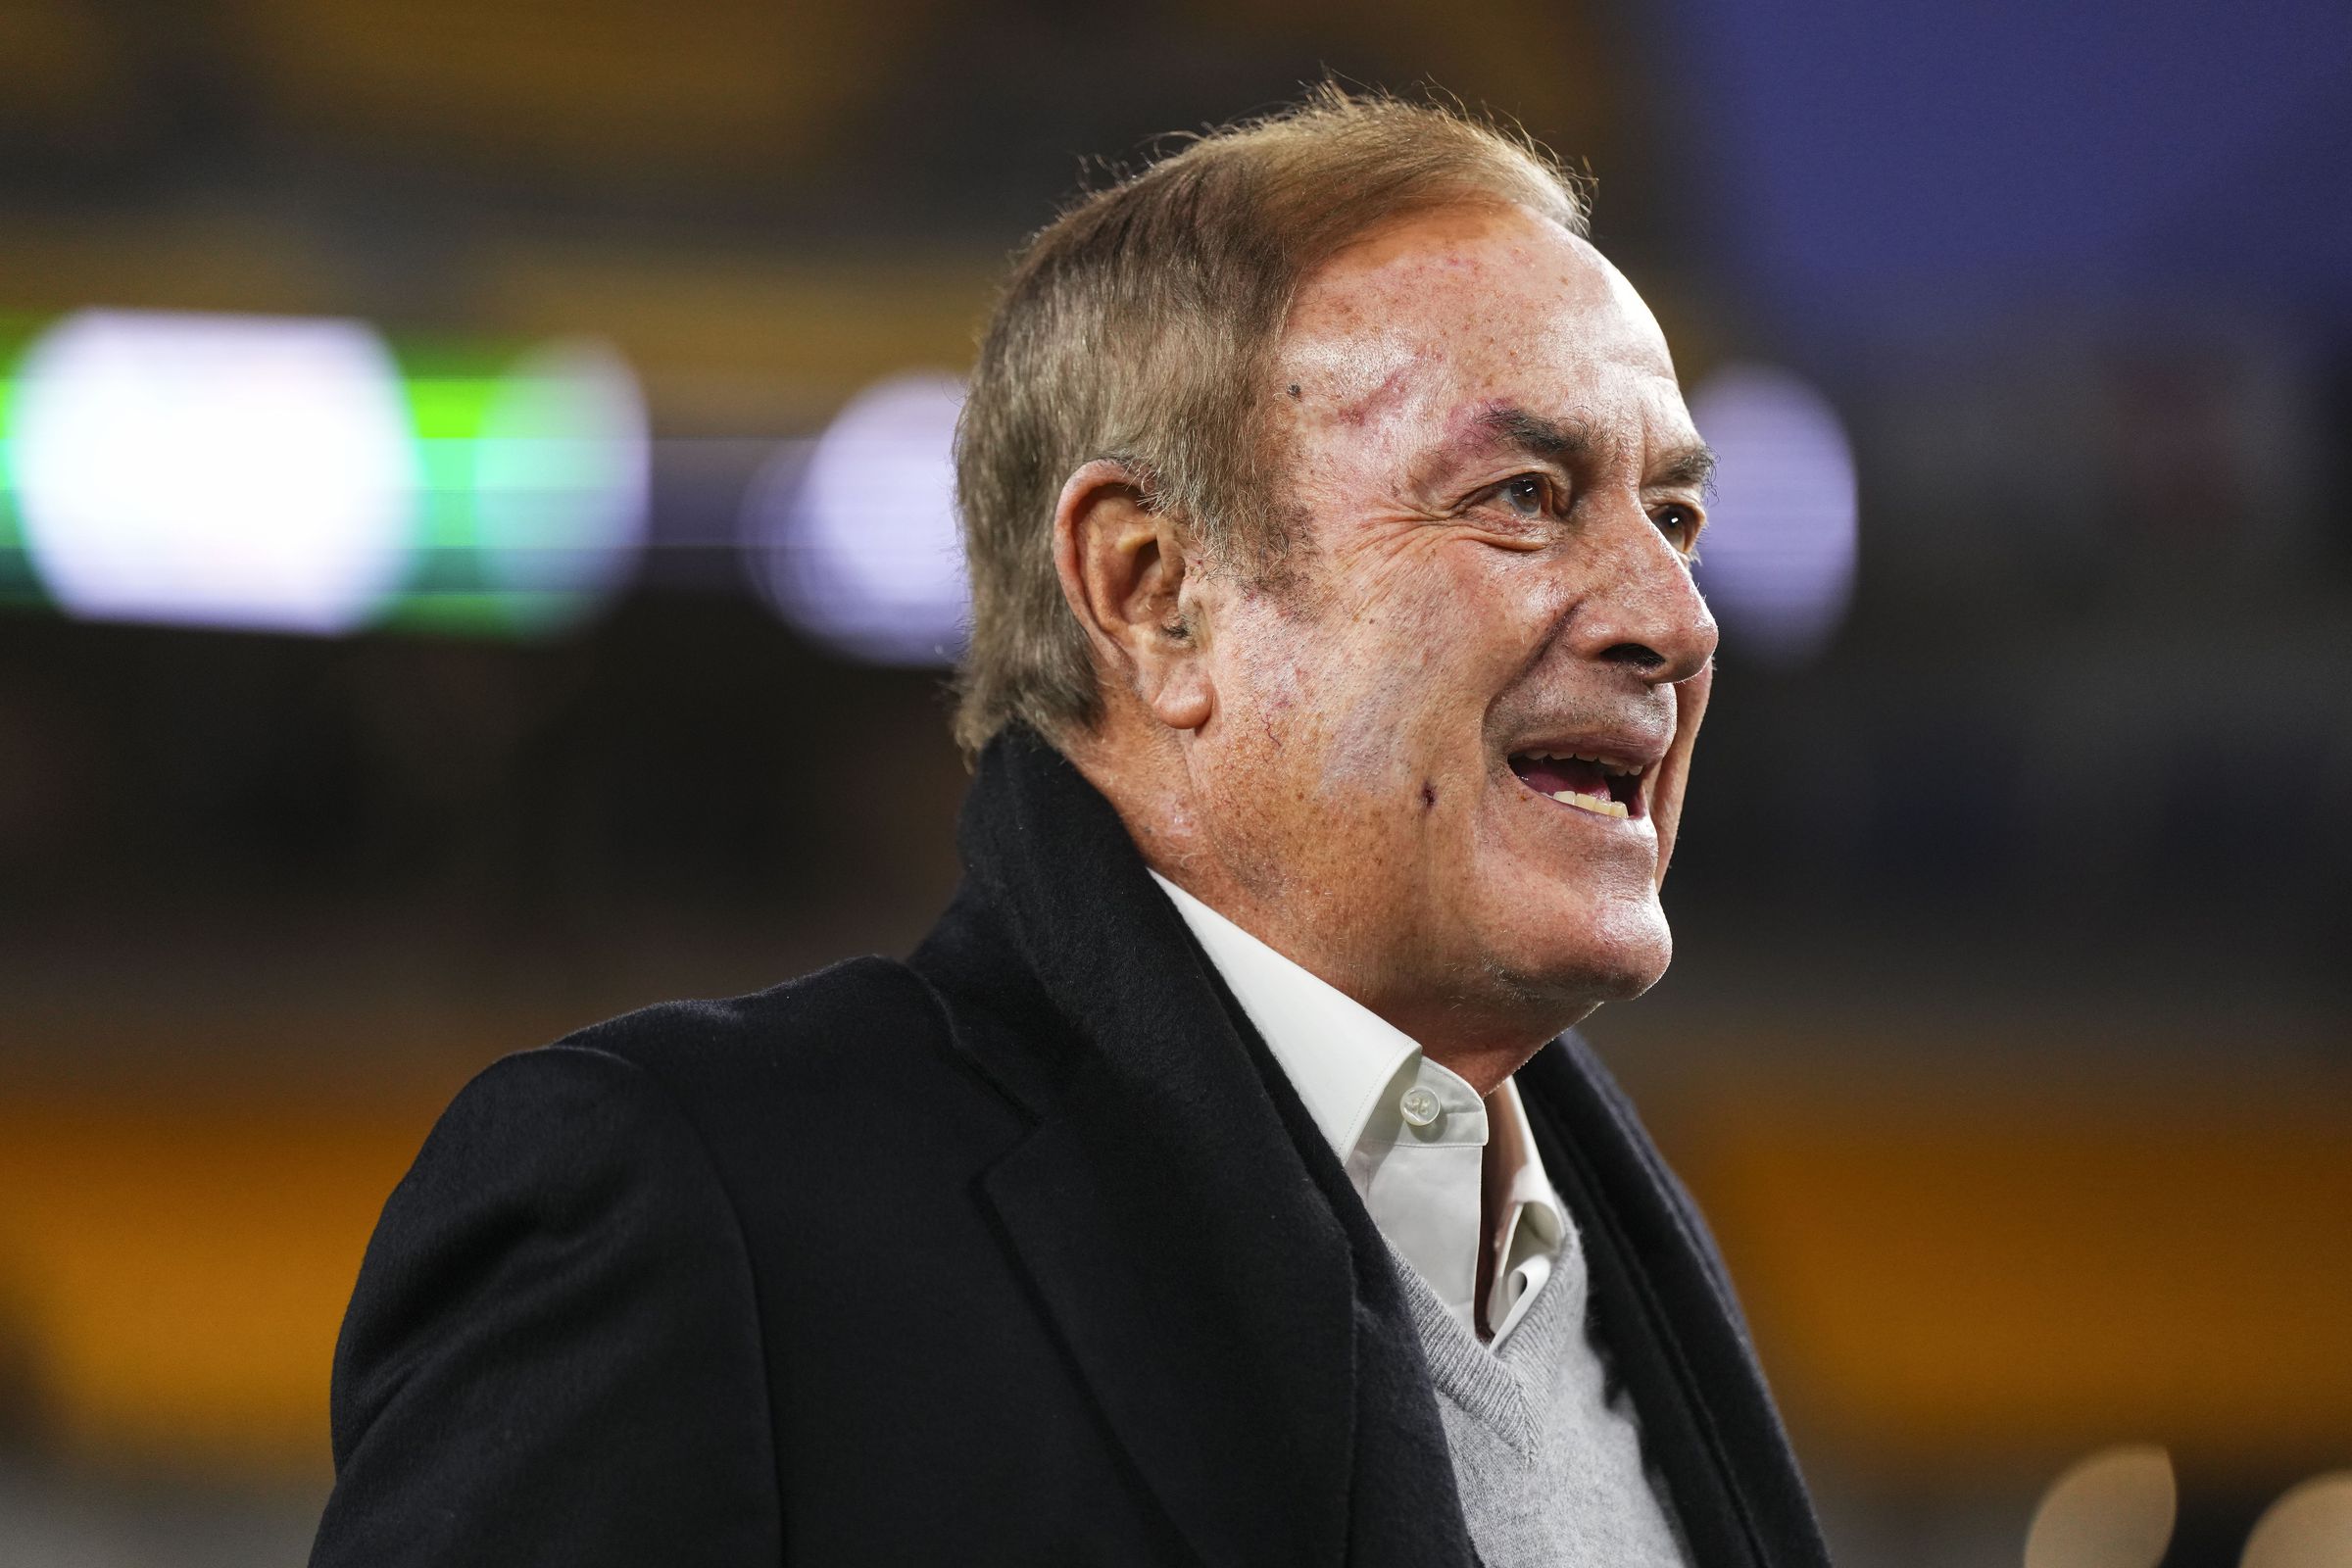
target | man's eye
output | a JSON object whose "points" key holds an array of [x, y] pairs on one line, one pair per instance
{"points": [[1527, 496], [1679, 524]]}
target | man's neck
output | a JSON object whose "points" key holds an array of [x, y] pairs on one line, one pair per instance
{"points": [[1468, 1035], [1483, 1051]]}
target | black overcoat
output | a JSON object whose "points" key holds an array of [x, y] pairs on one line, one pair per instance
{"points": [[1021, 1252]]}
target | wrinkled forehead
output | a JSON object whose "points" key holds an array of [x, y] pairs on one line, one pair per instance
{"points": [[1468, 304]]}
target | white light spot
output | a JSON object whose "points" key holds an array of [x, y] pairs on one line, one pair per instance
{"points": [[217, 471], [561, 473], [1778, 557], [854, 538]]}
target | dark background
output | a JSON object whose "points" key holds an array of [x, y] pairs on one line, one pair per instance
{"points": [[2007, 1042]]}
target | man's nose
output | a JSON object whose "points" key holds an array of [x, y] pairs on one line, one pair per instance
{"points": [[1642, 611]]}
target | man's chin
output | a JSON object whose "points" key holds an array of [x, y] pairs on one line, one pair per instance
{"points": [[1613, 953]]}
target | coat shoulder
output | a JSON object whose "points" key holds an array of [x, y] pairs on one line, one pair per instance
{"points": [[844, 1062], [853, 1021], [558, 1288]]}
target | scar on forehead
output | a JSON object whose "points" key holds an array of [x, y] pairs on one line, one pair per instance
{"points": [[1390, 392]]}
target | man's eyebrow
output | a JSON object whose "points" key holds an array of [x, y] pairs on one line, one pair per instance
{"points": [[1569, 444], [1693, 465]]}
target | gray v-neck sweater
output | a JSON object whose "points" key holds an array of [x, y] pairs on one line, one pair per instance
{"points": [[1549, 1465]]}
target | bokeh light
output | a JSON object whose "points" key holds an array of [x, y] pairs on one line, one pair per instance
{"points": [[1778, 560], [854, 539], [2309, 1527], [537, 474], [19, 586], [2113, 1510], [213, 469]]}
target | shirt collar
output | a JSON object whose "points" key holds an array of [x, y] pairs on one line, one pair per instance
{"points": [[1343, 1059], [1338, 1053], [1350, 1067], [1518, 1187]]}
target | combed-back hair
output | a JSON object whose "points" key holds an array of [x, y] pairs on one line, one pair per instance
{"points": [[1141, 326]]}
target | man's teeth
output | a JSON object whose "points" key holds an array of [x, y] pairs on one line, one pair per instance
{"points": [[1598, 804], [1614, 769]]}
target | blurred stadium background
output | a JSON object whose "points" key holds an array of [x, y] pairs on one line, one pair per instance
{"points": [[446, 597]]}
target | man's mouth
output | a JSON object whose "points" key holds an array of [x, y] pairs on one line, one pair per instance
{"points": [[1603, 785]]}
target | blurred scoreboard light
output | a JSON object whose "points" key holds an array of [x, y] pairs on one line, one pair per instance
{"points": [[852, 538], [1778, 557], [20, 587], [535, 471], [213, 469], [299, 476]]}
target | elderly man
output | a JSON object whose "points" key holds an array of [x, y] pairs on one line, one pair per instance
{"points": [[1215, 1184]]}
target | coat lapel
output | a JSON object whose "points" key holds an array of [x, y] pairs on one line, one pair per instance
{"points": [[1192, 1262], [1226, 1375]]}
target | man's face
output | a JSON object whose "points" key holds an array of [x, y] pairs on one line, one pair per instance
{"points": [[1491, 490]]}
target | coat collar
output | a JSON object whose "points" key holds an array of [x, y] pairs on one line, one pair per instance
{"points": [[1196, 1244]]}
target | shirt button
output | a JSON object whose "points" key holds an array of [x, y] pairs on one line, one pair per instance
{"points": [[1418, 1106]]}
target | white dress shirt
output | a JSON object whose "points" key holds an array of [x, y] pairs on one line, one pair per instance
{"points": [[1414, 1136]]}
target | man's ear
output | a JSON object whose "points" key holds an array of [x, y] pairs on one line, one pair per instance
{"points": [[1122, 569]]}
